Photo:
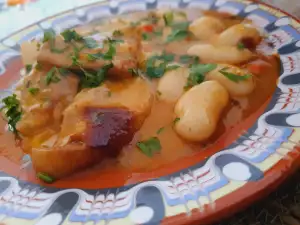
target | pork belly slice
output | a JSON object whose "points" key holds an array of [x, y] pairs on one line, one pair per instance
{"points": [[43, 101], [123, 60], [101, 120]]}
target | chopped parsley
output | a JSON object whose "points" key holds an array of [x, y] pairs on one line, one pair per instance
{"points": [[160, 130], [38, 66], [51, 76], [177, 35], [70, 35], [111, 52], [49, 36], [241, 46], [234, 77], [134, 71], [28, 68], [176, 120], [188, 59], [45, 177], [157, 65], [118, 33], [90, 42], [198, 72], [150, 146], [13, 112], [172, 67], [95, 78], [146, 36], [63, 71], [168, 18], [180, 32], [33, 90]]}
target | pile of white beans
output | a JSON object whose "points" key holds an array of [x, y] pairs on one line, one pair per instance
{"points": [[200, 107]]}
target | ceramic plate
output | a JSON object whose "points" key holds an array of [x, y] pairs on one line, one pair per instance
{"points": [[192, 191]]}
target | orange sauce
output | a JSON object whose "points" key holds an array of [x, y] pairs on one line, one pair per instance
{"points": [[132, 166]]}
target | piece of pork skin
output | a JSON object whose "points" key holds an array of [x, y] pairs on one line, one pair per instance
{"points": [[103, 119]]}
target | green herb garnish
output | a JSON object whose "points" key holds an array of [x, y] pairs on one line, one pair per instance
{"points": [[240, 46], [51, 76], [172, 67], [198, 72], [189, 59], [150, 146], [70, 35], [234, 77], [168, 18], [33, 90], [13, 112], [45, 177], [38, 66], [49, 36], [118, 33], [94, 79], [63, 71], [28, 68], [177, 35], [157, 65], [90, 42], [160, 130], [111, 52], [146, 36], [134, 71], [176, 120]]}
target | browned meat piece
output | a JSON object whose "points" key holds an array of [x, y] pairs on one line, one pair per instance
{"points": [[103, 119], [63, 160], [108, 128], [123, 60], [44, 100]]}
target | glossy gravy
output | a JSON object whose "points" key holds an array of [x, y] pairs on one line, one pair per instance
{"points": [[132, 165]]}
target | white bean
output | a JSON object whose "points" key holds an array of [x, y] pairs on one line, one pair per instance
{"points": [[237, 33], [236, 89], [171, 85], [220, 54], [206, 27], [199, 110]]}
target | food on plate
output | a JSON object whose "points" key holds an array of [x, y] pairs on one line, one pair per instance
{"points": [[137, 91], [199, 110]]}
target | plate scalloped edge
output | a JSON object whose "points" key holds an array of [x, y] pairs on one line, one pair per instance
{"points": [[195, 190]]}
